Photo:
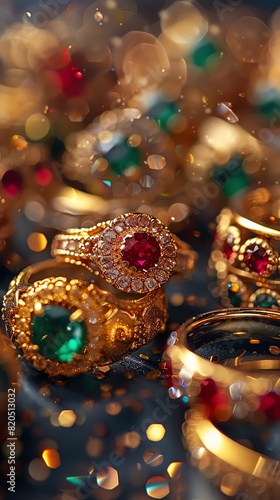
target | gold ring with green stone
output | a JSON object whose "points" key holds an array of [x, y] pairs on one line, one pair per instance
{"points": [[65, 323]]}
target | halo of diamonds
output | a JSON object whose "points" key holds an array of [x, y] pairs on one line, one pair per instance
{"points": [[258, 257], [266, 298], [117, 271], [231, 243]]}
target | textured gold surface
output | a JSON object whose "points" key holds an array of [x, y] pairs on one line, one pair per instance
{"points": [[116, 325]]}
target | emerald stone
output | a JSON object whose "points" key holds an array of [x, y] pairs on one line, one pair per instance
{"points": [[231, 178], [269, 109], [162, 112], [57, 336], [121, 157], [268, 102], [205, 54], [265, 300]]}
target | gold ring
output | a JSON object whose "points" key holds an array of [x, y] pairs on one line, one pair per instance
{"points": [[134, 252], [212, 354], [65, 324], [248, 238], [232, 466]]}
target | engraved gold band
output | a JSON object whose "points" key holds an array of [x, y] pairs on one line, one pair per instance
{"points": [[232, 466]]}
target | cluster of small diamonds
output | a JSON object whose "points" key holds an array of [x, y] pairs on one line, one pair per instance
{"points": [[256, 256], [117, 272]]}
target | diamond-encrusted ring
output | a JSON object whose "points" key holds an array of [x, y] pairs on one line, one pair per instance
{"points": [[134, 252], [65, 322], [227, 362]]}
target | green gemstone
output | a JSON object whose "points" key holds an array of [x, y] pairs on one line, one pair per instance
{"points": [[234, 297], [265, 300], [268, 102], [162, 112], [269, 108], [57, 336], [231, 178], [121, 157], [205, 54]]}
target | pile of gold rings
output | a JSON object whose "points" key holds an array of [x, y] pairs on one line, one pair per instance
{"points": [[100, 299], [226, 362]]}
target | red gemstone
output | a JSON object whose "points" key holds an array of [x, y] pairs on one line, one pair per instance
{"points": [[256, 258], [43, 176], [141, 251], [208, 391], [12, 183], [228, 245], [270, 405], [215, 399]]}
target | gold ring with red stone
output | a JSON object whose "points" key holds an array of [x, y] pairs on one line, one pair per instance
{"points": [[66, 321], [227, 362], [248, 238], [134, 252]]}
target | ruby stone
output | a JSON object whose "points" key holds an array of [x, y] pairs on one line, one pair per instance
{"points": [[213, 397], [270, 405], [256, 258], [141, 251], [12, 182], [228, 245]]}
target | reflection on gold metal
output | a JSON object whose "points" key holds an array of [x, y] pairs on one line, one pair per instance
{"points": [[230, 484], [241, 381], [233, 463], [226, 455], [70, 200], [38, 309], [134, 322], [76, 315]]}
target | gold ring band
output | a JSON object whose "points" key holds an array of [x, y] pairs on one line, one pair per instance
{"points": [[232, 466], [209, 355], [134, 252], [65, 324]]}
